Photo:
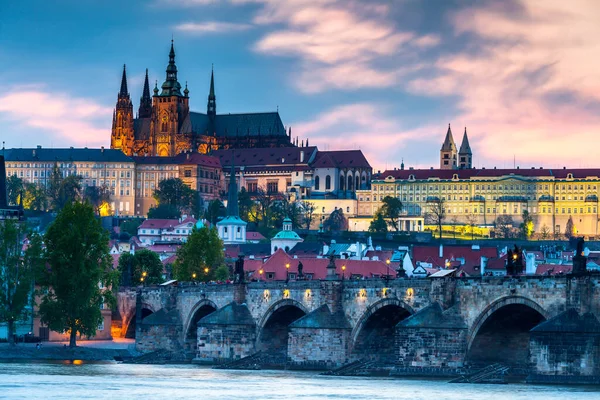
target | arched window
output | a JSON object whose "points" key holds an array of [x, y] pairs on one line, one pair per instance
{"points": [[328, 182], [357, 183], [350, 182], [342, 182], [317, 183]]}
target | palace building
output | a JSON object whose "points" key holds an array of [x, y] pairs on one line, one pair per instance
{"points": [[480, 196], [165, 126]]}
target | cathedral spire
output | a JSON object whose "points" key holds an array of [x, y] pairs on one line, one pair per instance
{"points": [[449, 144], [171, 86], [124, 92], [211, 108], [145, 110], [232, 197], [465, 155], [465, 148]]}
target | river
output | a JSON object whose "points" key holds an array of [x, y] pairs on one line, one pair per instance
{"points": [[123, 381]]}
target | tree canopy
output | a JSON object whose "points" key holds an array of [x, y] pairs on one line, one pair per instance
{"points": [[392, 210], [175, 193], [133, 267], [164, 211], [16, 272], [79, 277], [378, 224], [436, 214], [199, 257], [527, 225], [336, 221], [570, 228]]}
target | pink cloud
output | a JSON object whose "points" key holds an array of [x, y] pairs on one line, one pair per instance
{"points": [[69, 121]]}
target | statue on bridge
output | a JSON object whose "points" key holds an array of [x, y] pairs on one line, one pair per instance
{"points": [[579, 259], [514, 262], [300, 269], [239, 274], [400, 272]]}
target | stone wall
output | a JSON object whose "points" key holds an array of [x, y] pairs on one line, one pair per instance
{"points": [[423, 350], [317, 349], [222, 343]]}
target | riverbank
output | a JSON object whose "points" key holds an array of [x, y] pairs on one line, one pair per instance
{"points": [[58, 351]]}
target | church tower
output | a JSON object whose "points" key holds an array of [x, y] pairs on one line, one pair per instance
{"points": [[211, 108], [170, 108], [232, 229], [465, 156], [122, 125], [145, 110], [448, 152]]}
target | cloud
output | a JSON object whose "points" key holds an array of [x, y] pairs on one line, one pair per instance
{"points": [[68, 120], [208, 27], [531, 89], [366, 126]]}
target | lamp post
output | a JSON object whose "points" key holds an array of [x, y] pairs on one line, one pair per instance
{"points": [[287, 271], [260, 274], [387, 275], [194, 277], [343, 272]]}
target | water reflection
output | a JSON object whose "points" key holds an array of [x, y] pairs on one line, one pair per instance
{"points": [[98, 381]]}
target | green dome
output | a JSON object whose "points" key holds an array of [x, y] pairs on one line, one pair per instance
{"points": [[287, 235]]}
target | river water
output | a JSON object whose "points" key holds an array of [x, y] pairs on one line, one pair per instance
{"points": [[123, 381]]}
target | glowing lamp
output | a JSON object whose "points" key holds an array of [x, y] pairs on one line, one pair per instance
{"points": [[206, 270], [287, 266], [286, 293], [194, 275], [308, 293], [410, 292]]}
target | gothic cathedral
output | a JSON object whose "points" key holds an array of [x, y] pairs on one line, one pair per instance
{"points": [[165, 126]]}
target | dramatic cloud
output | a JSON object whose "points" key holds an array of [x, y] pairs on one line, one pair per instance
{"points": [[208, 27], [531, 89], [69, 121]]}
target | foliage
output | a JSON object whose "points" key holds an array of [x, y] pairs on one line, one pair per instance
{"points": [[472, 223], [143, 261], [214, 210], [97, 196], [16, 273], [391, 210], [504, 226], [175, 193], [378, 225], [526, 226], [570, 228], [201, 255], [222, 273], [545, 232], [245, 204], [130, 226], [308, 211], [336, 221], [79, 277], [14, 188], [164, 211], [35, 197], [436, 214]]}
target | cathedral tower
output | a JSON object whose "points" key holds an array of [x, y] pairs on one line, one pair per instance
{"points": [[465, 156], [122, 126], [145, 110], [448, 152], [211, 108], [170, 108]]}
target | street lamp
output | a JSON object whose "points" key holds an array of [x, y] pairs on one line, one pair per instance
{"points": [[343, 272], [260, 272], [206, 270], [194, 276]]}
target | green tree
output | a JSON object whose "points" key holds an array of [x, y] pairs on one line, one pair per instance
{"points": [[16, 273], [69, 191], [222, 273], [569, 228], [308, 212], [149, 266], [545, 232], [131, 226], [245, 204], [526, 226], [214, 210], [199, 257], [97, 196], [128, 268], [54, 184], [336, 221], [392, 210], [436, 213], [14, 188], [164, 211], [504, 226], [79, 277], [378, 225], [35, 198], [175, 193]]}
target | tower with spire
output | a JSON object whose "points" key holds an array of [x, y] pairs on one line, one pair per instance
{"points": [[122, 136], [448, 153], [170, 108], [465, 156], [232, 229], [211, 107], [145, 110]]}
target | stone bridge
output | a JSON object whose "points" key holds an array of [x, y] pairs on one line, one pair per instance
{"points": [[545, 324]]}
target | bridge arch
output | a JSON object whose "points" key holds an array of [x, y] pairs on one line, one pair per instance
{"points": [[272, 334], [373, 334], [200, 310], [501, 331], [130, 328]]}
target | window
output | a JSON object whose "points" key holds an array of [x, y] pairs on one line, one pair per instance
{"points": [[317, 183], [273, 187], [187, 173], [252, 187]]}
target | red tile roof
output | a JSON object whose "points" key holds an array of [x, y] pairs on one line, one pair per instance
{"points": [[553, 269], [169, 260], [181, 159], [492, 173], [254, 236], [261, 157], [162, 248], [315, 266], [430, 254], [164, 223]]}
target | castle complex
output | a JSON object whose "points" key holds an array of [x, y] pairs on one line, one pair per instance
{"points": [[165, 126]]}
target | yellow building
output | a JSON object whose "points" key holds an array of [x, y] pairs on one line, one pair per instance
{"points": [[480, 196], [96, 167]]}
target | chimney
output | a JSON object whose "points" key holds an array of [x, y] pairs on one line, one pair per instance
{"points": [[483, 264], [33, 152], [102, 149], [302, 156], [441, 253]]}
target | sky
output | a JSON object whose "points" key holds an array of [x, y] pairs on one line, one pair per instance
{"points": [[383, 76]]}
